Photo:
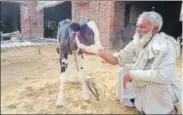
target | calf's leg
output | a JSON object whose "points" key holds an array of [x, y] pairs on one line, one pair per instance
{"points": [[63, 64], [71, 69], [79, 63]]}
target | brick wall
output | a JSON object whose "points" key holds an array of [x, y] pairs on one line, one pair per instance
{"points": [[108, 15], [119, 15], [32, 21], [116, 35], [102, 12], [122, 34]]}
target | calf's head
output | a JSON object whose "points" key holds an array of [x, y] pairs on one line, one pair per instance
{"points": [[87, 35]]}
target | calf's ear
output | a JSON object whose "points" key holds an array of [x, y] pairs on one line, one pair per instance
{"points": [[74, 27]]}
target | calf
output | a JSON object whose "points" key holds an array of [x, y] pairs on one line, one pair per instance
{"points": [[71, 37]]}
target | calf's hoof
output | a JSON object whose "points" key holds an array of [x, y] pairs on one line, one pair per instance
{"points": [[87, 101], [59, 105]]}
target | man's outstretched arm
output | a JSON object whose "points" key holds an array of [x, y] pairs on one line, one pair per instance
{"points": [[122, 57], [108, 57], [88, 53]]}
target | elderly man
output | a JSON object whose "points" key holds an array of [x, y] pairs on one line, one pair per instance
{"points": [[149, 82]]}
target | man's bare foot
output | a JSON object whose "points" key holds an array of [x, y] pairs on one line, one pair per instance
{"points": [[173, 111]]}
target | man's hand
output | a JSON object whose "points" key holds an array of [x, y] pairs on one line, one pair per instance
{"points": [[88, 53], [107, 56], [126, 79], [90, 50], [101, 52]]}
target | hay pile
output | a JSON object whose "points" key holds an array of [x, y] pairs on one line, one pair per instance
{"points": [[30, 83]]}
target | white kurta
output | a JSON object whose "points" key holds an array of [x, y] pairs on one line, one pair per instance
{"points": [[155, 83]]}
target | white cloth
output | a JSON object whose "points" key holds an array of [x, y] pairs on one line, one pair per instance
{"points": [[154, 74]]}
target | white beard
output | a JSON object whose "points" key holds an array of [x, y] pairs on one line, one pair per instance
{"points": [[142, 39]]}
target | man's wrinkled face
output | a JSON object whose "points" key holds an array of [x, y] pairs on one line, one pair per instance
{"points": [[143, 31], [143, 26]]}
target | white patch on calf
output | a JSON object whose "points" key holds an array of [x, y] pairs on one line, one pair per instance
{"points": [[93, 26], [61, 93], [81, 76], [70, 68], [95, 29], [64, 61]]}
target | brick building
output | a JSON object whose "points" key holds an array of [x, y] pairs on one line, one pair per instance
{"points": [[116, 19], [24, 18]]}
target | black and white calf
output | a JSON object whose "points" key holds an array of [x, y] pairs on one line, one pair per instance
{"points": [[71, 37]]}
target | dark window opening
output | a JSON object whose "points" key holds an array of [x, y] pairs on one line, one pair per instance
{"points": [[53, 15], [170, 11], [127, 14], [10, 17]]}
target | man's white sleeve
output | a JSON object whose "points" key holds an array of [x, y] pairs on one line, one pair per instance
{"points": [[159, 73], [126, 55]]}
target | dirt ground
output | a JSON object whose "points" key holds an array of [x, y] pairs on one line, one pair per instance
{"points": [[30, 83]]}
